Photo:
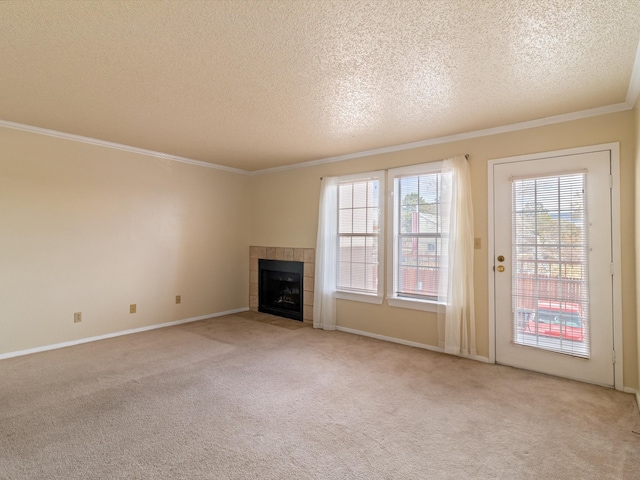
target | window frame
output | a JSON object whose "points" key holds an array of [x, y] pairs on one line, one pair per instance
{"points": [[393, 233], [362, 296]]}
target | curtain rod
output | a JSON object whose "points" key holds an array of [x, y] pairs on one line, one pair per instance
{"points": [[466, 155]]}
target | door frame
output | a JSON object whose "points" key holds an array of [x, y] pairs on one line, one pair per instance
{"points": [[614, 149]]}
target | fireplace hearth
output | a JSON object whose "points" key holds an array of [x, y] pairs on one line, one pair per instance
{"points": [[280, 288]]}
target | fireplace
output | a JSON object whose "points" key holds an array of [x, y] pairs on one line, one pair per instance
{"points": [[306, 256], [280, 288]]}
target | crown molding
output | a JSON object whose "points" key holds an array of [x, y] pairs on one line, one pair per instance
{"points": [[116, 146], [567, 117], [634, 83]]}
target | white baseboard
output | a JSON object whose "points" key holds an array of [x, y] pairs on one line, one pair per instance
{"points": [[407, 342], [118, 334]]}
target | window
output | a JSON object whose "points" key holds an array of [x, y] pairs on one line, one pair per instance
{"points": [[550, 262], [419, 243], [360, 237], [428, 253]]}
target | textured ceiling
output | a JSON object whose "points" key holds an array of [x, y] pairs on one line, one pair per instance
{"points": [[258, 84]]}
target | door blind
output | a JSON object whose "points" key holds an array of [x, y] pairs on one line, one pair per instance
{"points": [[550, 264]]}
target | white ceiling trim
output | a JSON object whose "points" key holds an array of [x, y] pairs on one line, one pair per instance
{"points": [[116, 146], [567, 117], [634, 84], [593, 112]]}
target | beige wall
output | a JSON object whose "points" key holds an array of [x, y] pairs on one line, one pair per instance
{"points": [[285, 208], [93, 229]]}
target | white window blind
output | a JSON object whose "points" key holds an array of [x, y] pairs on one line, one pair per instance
{"points": [[419, 239], [359, 235], [550, 264]]}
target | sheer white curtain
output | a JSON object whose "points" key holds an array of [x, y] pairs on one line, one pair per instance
{"points": [[324, 302], [456, 317]]}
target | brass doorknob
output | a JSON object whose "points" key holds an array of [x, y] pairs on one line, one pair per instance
{"points": [[501, 258], [501, 268]]}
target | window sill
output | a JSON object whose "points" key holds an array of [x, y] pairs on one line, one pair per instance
{"points": [[413, 304], [359, 297]]}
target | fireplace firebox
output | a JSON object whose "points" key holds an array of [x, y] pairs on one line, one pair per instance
{"points": [[280, 287]]}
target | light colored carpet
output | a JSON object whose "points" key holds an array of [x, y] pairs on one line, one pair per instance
{"points": [[237, 397]]}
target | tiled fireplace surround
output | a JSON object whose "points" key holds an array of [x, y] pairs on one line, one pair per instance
{"points": [[306, 255]]}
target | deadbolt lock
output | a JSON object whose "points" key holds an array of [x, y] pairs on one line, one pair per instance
{"points": [[501, 258], [501, 268]]}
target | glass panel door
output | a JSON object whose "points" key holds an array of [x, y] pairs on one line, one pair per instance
{"points": [[552, 247]]}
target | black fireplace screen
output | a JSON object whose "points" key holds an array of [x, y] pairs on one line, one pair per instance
{"points": [[280, 288]]}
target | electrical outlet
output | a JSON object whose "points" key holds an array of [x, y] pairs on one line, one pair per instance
{"points": [[77, 317], [477, 244], [132, 308], [178, 299]]}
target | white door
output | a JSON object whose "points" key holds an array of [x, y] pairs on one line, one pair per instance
{"points": [[553, 281]]}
